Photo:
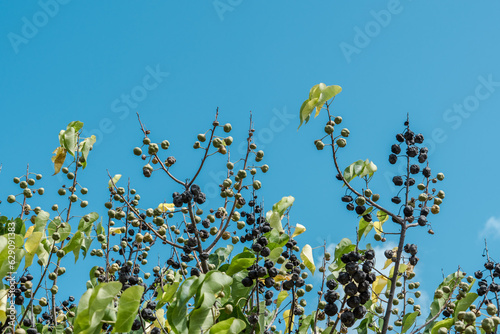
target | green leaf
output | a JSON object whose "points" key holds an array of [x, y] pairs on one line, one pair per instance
{"points": [[464, 303], [74, 242], [314, 92], [177, 311], [283, 204], [306, 323], [85, 147], [318, 95], [239, 293], [364, 228], [76, 125], [438, 303], [359, 168], [240, 262], [276, 239], [70, 138], [64, 232], [275, 215], [130, 300], [199, 319], [327, 93], [408, 321], [92, 305], [41, 221], [229, 326], [341, 247], [306, 109], [307, 256], [9, 262], [168, 293], [115, 179], [447, 323], [382, 216], [275, 254], [42, 253], [86, 226], [219, 256], [201, 316]]}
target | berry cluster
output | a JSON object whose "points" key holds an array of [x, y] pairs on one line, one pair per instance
{"points": [[194, 194], [356, 281], [494, 270], [410, 139], [22, 289]]}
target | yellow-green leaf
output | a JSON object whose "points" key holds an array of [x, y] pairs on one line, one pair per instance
{"points": [[33, 242], [3, 305], [378, 286], [228, 326], [378, 227], [326, 93], [58, 158], [288, 321], [166, 207], [299, 229], [29, 231], [382, 216], [115, 230], [307, 256], [115, 179], [281, 297], [387, 263]]}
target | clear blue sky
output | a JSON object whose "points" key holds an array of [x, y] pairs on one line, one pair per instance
{"points": [[175, 62]]}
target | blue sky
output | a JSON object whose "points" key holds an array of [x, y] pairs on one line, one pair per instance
{"points": [[176, 62]]}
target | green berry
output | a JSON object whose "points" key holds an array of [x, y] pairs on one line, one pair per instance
{"points": [[137, 151], [341, 142], [165, 144]]}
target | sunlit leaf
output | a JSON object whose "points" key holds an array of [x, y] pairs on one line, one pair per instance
{"points": [[58, 159], [166, 207], [307, 256], [228, 326], [378, 286], [288, 321], [299, 229], [114, 180], [408, 321], [130, 300]]}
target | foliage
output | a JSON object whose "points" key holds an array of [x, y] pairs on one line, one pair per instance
{"points": [[233, 268]]}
